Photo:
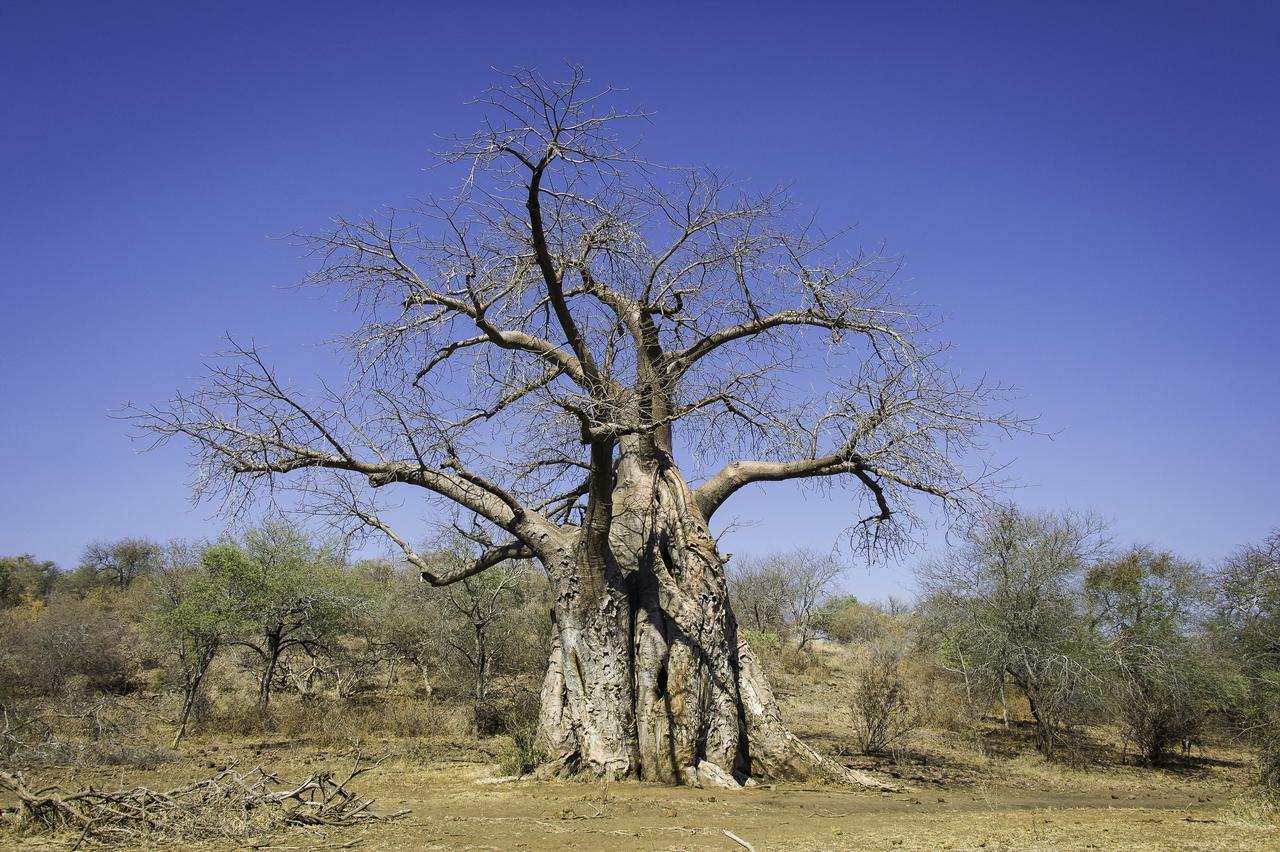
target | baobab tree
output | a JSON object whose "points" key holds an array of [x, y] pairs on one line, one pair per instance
{"points": [[580, 357]]}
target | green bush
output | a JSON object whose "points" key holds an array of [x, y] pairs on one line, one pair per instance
{"points": [[523, 754]]}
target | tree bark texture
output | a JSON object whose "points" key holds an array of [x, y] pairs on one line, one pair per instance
{"points": [[648, 677]]}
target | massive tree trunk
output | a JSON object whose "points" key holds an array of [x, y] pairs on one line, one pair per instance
{"points": [[648, 677]]}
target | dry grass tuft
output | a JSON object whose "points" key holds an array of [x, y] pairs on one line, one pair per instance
{"points": [[1257, 809], [335, 723]]}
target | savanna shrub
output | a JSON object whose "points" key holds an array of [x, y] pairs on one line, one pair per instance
{"points": [[69, 645], [523, 754], [880, 701]]}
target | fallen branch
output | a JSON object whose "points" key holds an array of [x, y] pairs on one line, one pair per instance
{"points": [[230, 804]]}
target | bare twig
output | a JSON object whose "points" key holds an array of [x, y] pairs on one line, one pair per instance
{"points": [[230, 804]]}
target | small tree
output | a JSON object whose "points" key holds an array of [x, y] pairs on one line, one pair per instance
{"points": [[844, 618], [406, 624], [1007, 604], [289, 593], [194, 615], [759, 593], [883, 709], [354, 655], [24, 579], [1246, 624], [1143, 606], [480, 601], [783, 592], [119, 563]]}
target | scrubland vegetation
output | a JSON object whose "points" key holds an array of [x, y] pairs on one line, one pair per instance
{"points": [[1038, 654]]}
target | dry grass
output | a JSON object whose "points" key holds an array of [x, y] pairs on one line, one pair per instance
{"points": [[971, 782], [328, 722]]}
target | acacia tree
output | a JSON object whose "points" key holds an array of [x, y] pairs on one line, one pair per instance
{"points": [[1007, 604], [24, 579], [290, 593], [1247, 619], [1247, 624], [121, 562], [1144, 605], [558, 353], [193, 617], [406, 624]]}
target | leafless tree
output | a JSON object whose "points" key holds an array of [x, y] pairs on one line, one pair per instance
{"points": [[556, 354], [781, 592], [121, 562]]}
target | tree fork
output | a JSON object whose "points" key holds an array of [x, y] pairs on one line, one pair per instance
{"points": [[679, 697]]}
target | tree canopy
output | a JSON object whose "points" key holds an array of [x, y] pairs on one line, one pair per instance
{"points": [[554, 355], [572, 295]]}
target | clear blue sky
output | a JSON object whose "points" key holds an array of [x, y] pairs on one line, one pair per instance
{"points": [[1088, 192]]}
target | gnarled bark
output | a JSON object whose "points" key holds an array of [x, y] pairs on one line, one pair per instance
{"points": [[648, 677]]}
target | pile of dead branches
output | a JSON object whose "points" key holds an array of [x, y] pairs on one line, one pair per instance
{"points": [[230, 804]]}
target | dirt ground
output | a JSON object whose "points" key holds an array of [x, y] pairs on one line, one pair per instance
{"points": [[952, 801], [986, 789]]}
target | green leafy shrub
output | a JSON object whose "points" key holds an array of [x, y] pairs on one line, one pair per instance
{"points": [[524, 753]]}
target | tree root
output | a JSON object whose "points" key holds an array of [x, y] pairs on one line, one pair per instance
{"points": [[832, 771], [231, 804], [802, 763], [778, 753]]}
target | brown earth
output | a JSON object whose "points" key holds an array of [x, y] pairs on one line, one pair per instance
{"points": [[983, 790], [994, 804]]}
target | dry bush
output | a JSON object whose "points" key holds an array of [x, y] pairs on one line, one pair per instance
{"points": [[766, 645], [489, 717], [797, 660], [1269, 772], [26, 738], [779, 655], [241, 720], [1261, 804], [848, 620], [69, 645], [1257, 808], [338, 723], [79, 729], [133, 755], [515, 704], [524, 753], [325, 719], [881, 702]]}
